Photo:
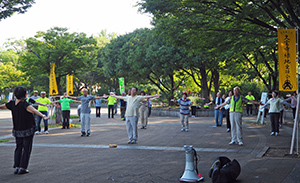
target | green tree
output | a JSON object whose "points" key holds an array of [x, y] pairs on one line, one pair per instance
{"points": [[11, 77], [141, 57], [69, 51], [9, 7], [237, 32]]}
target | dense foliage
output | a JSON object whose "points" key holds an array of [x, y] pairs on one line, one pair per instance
{"points": [[195, 45]]}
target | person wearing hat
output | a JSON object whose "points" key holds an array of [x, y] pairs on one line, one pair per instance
{"points": [[111, 103], [34, 97], [44, 110]]}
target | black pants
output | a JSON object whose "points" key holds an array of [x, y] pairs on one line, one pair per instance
{"points": [[294, 112], [66, 118], [274, 117], [281, 117], [98, 114], [227, 118], [23, 151], [111, 109], [193, 110], [149, 111], [123, 110], [249, 108]]}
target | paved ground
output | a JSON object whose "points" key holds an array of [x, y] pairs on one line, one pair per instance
{"points": [[64, 156]]}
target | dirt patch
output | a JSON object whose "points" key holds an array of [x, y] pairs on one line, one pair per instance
{"points": [[280, 153]]}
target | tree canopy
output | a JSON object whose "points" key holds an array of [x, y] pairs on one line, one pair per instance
{"points": [[9, 7]]}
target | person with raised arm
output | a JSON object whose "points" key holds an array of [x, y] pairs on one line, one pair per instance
{"points": [[132, 112], [44, 110], [24, 127], [194, 99], [184, 103], [236, 111], [275, 102], [85, 111]]}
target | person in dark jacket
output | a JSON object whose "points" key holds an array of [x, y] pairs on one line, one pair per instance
{"points": [[218, 112], [24, 128]]}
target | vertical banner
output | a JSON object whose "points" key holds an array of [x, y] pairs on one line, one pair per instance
{"points": [[70, 84], [122, 85], [53, 84], [287, 59]]}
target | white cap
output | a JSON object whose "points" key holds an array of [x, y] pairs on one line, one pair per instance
{"points": [[35, 91], [43, 92]]}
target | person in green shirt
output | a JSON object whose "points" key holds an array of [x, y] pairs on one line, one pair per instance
{"points": [[249, 104], [111, 102], [43, 110], [194, 99], [65, 107]]}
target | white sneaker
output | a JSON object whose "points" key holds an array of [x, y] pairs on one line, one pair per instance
{"points": [[193, 116], [46, 132], [232, 142], [276, 134], [241, 143], [182, 129], [273, 133], [187, 130], [37, 133]]}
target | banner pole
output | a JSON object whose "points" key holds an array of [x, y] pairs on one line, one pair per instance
{"points": [[297, 59]]}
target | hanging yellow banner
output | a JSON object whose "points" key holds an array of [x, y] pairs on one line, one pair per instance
{"points": [[70, 84], [53, 84], [287, 59]]}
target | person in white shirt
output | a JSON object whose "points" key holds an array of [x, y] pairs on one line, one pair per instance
{"points": [[132, 112]]}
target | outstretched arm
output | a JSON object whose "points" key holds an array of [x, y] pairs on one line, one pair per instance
{"points": [[98, 97], [291, 96], [3, 106], [34, 111], [220, 106], [73, 98], [117, 97], [153, 96]]}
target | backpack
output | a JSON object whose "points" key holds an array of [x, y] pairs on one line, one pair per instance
{"points": [[223, 170]]}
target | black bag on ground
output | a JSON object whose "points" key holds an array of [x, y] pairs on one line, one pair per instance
{"points": [[223, 170]]}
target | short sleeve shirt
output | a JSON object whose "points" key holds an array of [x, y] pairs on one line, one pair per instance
{"points": [[85, 108], [98, 102], [43, 101], [23, 121], [194, 100], [65, 104], [133, 105], [111, 100]]}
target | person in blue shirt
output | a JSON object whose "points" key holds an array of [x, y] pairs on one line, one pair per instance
{"points": [[98, 106]]}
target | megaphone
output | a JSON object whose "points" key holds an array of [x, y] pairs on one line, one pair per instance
{"points": [[191, 171]]}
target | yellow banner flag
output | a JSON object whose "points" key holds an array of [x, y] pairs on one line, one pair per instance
{"points": [[53, 84], [70, 84], [287, 59]]}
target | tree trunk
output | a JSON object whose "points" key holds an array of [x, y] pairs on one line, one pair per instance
{"points": [[204, 86], [216, 77], [59, 88], [172, 89], [58, 113]]}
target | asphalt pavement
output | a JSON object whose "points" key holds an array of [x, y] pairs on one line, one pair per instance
{"points": [[159, 156]]}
